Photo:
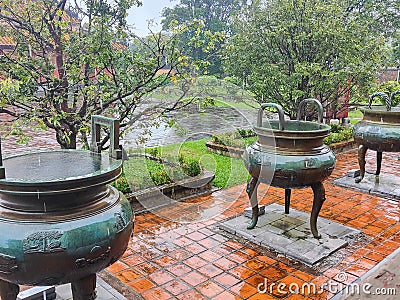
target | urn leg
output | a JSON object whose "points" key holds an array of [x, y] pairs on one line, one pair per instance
{"points": [[378, 162], [288, 192], [319, 198], [361, 161], [84, 288], [251, 190], [8, 290]]}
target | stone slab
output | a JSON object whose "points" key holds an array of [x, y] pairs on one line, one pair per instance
{"points": [[290, 234], [384, 185], [248, 211], [37, 293], [64, 292]]}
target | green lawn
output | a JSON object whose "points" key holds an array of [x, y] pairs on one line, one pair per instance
{"points": [[228, 171], [222, 92], [355, 114], [244, 104]]}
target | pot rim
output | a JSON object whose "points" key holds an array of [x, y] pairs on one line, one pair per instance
{"points": [[380, 110], [109, 169], [294, 134]]}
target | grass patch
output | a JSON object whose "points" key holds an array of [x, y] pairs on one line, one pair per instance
{"points": [[355, 114], [353, 122], [222, 92], [140, 172], [245, 104], [228, 171]]}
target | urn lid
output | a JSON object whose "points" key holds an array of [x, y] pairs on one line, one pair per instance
{"points": [[58, 171], [58, 166], [63, 171]]}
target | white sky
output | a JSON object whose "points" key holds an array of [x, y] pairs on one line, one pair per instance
{"points": [[151, 9]]}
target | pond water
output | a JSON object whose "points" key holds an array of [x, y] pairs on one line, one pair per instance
{"points": [[192, 124]]}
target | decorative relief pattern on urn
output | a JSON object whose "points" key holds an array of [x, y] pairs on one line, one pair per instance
{"points": [[43, 242], [122, 220], [83, 262]]}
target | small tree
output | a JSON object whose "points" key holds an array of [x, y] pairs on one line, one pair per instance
{"points": [[69, 62], [290, 50]]}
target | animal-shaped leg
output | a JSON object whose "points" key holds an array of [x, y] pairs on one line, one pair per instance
{"points": [[378, 162], [288, 192], [319, 198], [361, 161], [251, 190]]}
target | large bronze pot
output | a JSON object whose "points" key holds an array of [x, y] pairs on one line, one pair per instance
{"points": [[60, 221], [379, 130], [289, 154]]}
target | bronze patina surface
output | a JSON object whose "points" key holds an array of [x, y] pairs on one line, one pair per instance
{"points": [[289, 154], [60, 221], [379, 131]]}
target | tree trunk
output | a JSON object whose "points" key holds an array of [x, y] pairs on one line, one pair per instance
{"points": [[66, 141]]}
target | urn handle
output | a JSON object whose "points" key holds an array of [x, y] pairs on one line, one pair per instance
{"points": [[280, 114], [309, 100], [113, 124], [388, 100]]}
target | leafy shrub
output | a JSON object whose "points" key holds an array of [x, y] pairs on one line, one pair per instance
{"points": [[245, 132], [230, 139], [159, 174], [233, 138], [336, 128], [122, 184], [234, 80], [144, 173], [155, 152], [338, 134], [190, 166]]}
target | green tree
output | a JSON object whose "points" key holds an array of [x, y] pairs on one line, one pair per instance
{"points": [[380, 16], [216, 16], [70, 62], [396, 50], [288, 50]]}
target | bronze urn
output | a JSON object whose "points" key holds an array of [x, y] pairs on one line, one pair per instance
{"points": [[60, 221], [289, 154], [379, 131]]}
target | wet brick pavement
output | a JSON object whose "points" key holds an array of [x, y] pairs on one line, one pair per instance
{"points": [[193, 259]]}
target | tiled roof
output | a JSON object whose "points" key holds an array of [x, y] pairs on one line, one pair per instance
{"points": [[118, 46], [5, 40]]}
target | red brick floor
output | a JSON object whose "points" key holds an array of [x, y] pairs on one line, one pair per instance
{"points": [[180, 254]]}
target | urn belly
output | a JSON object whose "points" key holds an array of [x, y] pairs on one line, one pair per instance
{"points": [[60, 220]]}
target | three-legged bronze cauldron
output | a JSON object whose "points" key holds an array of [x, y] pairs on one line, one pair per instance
{"points": [[60, 221], [289, 154], [379, 130]]}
